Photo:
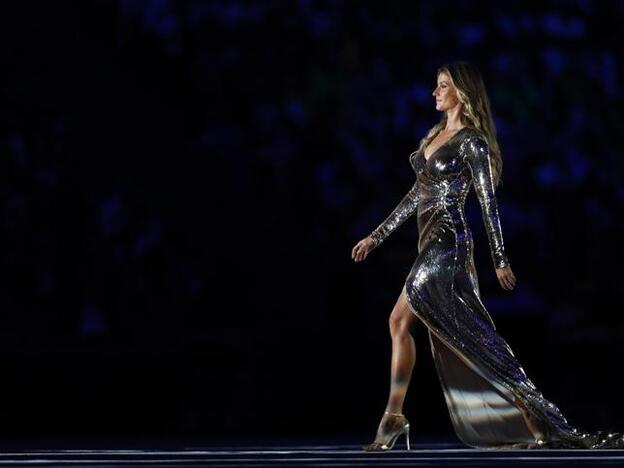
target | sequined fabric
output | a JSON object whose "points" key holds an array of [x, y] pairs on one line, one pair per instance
{"points": [[491, 401]]}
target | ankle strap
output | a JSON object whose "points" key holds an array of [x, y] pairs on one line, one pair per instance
{"points": [[394, 414]]}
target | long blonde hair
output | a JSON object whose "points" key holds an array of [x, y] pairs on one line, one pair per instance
{"points": [[476, 112]]}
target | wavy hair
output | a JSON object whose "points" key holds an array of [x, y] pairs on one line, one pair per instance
{"points": [[476, 113]]}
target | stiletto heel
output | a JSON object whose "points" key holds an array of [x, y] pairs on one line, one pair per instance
{"points": [[389, 431], [407, 436]]}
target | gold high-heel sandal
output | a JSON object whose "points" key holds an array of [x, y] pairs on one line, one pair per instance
{"points": [[389, 431]]}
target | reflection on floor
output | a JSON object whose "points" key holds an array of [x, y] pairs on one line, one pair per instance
{"points": [[211, 452]]}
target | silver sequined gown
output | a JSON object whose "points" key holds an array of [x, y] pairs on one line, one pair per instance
{"points": [[492, 402]]}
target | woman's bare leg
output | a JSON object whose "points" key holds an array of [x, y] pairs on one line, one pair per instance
{"points": [[393, 422], [402, 362], [403, 358]]}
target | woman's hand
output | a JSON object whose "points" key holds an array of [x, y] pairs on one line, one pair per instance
{"points": [[362, 249], [506, 277]]}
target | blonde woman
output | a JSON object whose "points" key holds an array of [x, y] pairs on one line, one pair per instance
{"points": [[491, 401]]}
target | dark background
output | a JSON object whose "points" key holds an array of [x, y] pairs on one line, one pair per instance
{"points": [[182, 183]]}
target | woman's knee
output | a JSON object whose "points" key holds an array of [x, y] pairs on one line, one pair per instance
{"points": [[400, 322]]}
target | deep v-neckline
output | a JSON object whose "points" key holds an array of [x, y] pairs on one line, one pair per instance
{"points": [[442, 145]]}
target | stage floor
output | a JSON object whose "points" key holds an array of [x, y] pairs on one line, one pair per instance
{"points": [[177, 453]]}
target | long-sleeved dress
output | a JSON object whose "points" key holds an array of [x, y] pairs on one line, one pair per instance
{"points": [[491, 401]]}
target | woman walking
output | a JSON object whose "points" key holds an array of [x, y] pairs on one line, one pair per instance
{"points": [[491, 401]]}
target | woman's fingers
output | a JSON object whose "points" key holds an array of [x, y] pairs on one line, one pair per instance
{"points": [[362, 253], [356, 250], [508, 282], [506, 278], [361, 250]]}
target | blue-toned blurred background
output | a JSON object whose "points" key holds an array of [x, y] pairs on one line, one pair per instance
{"points": [[182, 183]]}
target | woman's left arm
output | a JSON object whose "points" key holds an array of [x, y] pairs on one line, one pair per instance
{"points": [[477, 156]]}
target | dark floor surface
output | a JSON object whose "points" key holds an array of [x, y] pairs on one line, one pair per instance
{"points": [[250, 451]]}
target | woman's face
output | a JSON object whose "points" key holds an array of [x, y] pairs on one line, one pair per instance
{"points": [[445, 95]]}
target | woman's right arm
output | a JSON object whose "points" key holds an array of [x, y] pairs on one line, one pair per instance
{"points": [[406, 208]]}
